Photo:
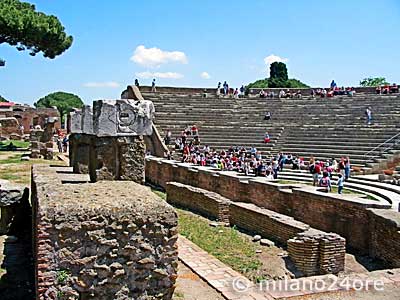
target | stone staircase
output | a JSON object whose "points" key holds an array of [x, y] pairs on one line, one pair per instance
{"points": [[324, 128]]}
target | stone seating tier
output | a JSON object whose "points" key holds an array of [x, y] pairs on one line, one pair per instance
{"points": [[331, 127]]}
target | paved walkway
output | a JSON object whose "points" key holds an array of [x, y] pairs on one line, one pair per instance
{"points": [[234, 286]]}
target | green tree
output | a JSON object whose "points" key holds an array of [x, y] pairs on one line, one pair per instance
{"points": [[278, 79], [22, 26], [278, 71], [64, 102], [373, 81], [2, 99]]}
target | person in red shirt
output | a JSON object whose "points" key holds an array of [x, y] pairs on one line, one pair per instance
{"points": [[266, 137], [195, 131]]}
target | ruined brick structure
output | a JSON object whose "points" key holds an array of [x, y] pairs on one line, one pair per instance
{"points": [[312, 251], [103, 240], [28, 117], [42, 140], [369, 227]]}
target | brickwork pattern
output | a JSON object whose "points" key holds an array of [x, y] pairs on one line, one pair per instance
{"points": [[347, 216], [316, 252], [207, 203], [313, 251]]}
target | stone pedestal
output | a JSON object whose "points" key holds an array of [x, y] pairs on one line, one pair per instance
{"points": [[108, 158], [117, 158]]}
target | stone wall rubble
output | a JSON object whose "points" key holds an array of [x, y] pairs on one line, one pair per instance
{"points": [[103, 240], [14, 208], [42, 140]]}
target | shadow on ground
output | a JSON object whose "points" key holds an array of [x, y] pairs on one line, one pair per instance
{"points": [[18, 280]]}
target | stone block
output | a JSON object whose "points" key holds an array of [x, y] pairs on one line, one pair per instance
{"points": [[76, 121], [122, 117], [116, 239], [15, 136], [49, 154], [14, 207], [35, 153], [87, 119]]}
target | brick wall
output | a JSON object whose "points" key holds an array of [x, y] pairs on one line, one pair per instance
{"points": [[206, 203], [103, 240], [385, 235], [312, 251], [265, 222], [345, 215]]}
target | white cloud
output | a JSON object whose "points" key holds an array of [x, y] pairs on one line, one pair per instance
{"points": [[205, 75], [274, 58], [154, 57], [170, 75], [107, 84]]}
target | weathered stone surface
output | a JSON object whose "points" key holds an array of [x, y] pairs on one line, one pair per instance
{"points": [[14, 207], [122, 117], [10, 193], [9, 126], [108, 158], [117, 240], [15, 136], [76, 121], [87, 119], [266, 242], [256, 238]]}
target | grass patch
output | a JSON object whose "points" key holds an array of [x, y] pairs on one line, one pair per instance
{"points": [[160, 194], [14, 169], [225, 243], [14, 159], [18, 144], [10, 177]]}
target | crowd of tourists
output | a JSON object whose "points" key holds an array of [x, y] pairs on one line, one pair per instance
{"points": [[323, 171], [225, 90], [251, 162], [387, 89]]}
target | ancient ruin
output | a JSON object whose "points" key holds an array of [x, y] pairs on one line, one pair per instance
{"points": [[41, 140], [18, 120], [99, 234], [108, 142], [107, 239], [103, 240]]}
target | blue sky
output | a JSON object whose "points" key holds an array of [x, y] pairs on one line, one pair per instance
{"points": [[178, 40]]}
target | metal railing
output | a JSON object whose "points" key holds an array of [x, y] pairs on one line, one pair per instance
{"points": [[393, 141]]}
